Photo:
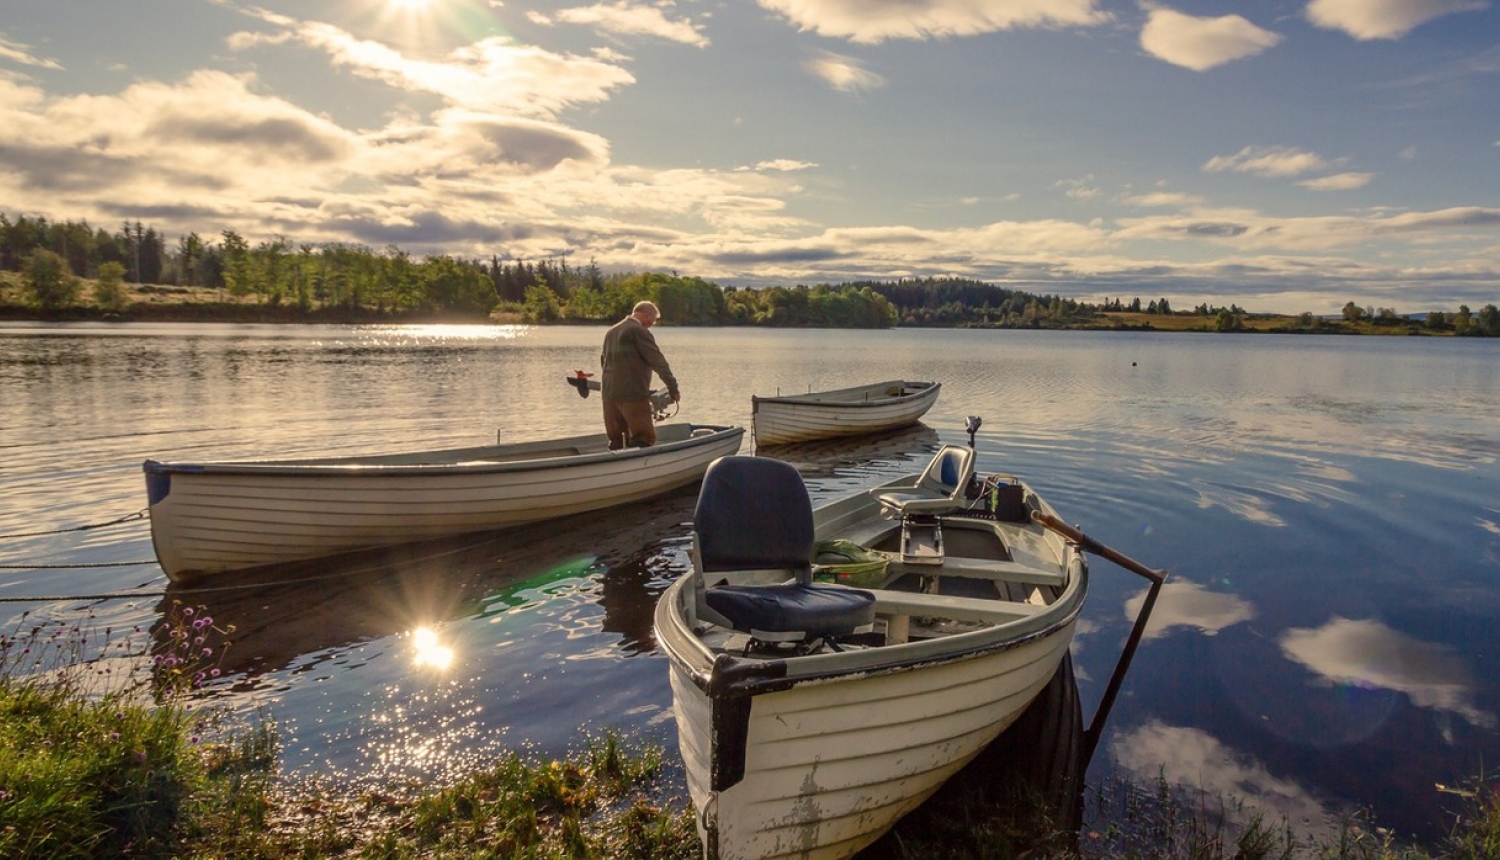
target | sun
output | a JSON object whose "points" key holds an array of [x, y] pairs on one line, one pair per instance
{"points": [[408, 5]]}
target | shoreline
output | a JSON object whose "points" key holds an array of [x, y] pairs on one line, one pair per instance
{"points": [[196, 311]]}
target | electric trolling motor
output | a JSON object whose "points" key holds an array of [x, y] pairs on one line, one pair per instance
{"points": [[661, 399]]}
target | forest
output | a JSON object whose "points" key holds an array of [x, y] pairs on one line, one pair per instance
{"points": [[71, 269]]}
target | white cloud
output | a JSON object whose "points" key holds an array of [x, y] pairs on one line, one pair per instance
{"points": [[1370, 654], [493, 74], [782, 164], [1252, 231], [872, 21], [1202, 43], [1161, 198], [628, 19], [17, 52], [844, 74], [1338, 182], [1276, 161], [1082, 188], [1383, 19]]}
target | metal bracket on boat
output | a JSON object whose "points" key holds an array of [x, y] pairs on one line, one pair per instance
{"points": [[1157, 577]]}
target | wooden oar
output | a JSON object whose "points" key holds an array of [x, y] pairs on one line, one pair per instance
{"points": [[1097, 548], [1157, 577]]}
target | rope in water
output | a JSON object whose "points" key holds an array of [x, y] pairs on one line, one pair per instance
{"points": [[128, 595], [80, 564], [140, 514], [64, 598]]}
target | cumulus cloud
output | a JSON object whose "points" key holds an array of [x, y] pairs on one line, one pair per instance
{"points": [[1273, 161], [1252, 231], [627, 19], [1367, 20], [873, 21], [844, 74], [488, 159], [1082, 188], [494, 74], [1161, 199], [782, 164], [1202, 43], [19, 53], [1338, 182]]}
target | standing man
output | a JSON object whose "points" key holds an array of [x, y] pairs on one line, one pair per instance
{"points": [[630, 355]]}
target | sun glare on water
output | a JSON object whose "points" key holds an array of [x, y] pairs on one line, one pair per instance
{"points": [[429, 650]]}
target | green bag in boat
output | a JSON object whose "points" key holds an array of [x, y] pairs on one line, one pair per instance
{"points": [[847, 563]]}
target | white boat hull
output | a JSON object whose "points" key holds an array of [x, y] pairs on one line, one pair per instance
{"points": [[843, 412], [816, 755], [212, 518], [832, 766]]}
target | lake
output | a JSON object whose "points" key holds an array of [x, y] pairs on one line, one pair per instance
{"points": [[1326, 507]]}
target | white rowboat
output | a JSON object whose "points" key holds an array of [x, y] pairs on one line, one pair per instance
{"points": [[209, 518], [841, 412], [810, 715]]}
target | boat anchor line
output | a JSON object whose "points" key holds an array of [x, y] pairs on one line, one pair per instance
{"points": [[78, 565], [1157, 577], [71, 598], [138, 515]]}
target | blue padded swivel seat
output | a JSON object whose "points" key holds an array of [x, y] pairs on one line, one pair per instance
{"points": [[754, 514]]}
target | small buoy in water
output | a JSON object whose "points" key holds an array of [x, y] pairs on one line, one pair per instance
{"points": [[1132, 364]]}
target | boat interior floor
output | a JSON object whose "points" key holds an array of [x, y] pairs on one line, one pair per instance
{"points": [[979, 580]]}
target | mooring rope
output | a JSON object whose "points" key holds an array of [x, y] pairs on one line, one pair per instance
{"points": [[140, 514], [80, 564], [205, 589], [64, 598]]}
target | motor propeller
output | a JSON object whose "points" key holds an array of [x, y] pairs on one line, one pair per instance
{"points": [[661, 400]]}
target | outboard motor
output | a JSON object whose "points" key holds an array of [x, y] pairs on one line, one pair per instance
{"points": [[661, 401]]}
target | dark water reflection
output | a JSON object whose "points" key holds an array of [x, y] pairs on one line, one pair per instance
{"points": [[1326, 507]]}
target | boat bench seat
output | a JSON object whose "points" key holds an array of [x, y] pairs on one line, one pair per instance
{"points": [[754, 522], [995, 571], [995, 611]]}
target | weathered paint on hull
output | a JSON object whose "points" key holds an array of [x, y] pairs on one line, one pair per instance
{"points": [[831, 765]]}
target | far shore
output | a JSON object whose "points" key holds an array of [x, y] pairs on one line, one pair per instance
{"points": [[150, 303]]}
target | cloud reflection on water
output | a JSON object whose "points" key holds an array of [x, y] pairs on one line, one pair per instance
{"points": [[1188, 604], [1367, 653], [1241, 786]]}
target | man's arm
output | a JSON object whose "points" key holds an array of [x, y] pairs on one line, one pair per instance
{"points": [[652, 355]]}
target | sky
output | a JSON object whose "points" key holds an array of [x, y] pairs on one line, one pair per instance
{"points": [[1283, 155]]}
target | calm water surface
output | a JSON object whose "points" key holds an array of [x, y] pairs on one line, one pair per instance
{"points": [[1327, 508]]}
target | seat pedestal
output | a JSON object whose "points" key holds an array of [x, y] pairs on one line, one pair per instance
{"points": [[921, 540]]}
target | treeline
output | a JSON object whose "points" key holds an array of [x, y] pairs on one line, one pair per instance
{"points": [[55, 258], [961, 302]]}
